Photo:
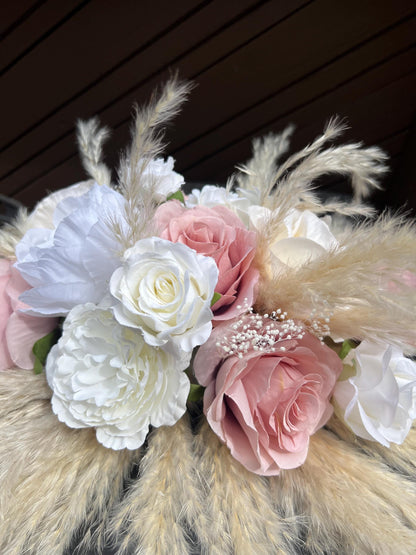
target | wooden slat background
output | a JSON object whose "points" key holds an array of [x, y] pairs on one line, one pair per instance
{"points": [[257, 66]]}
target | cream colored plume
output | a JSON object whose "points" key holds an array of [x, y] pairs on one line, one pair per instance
{"points": [[91, 138]]}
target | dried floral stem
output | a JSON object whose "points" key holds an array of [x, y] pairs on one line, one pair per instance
{"points": [[91, 138], [166, 502], [238, 503]]}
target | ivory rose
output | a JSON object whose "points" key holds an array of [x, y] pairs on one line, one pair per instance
{"points": [[165, 290], [266, 405], [18, 331], [219, 233]]}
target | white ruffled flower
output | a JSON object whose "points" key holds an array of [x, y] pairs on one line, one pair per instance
{"points": [[165, 289], [160, 176], [43, 213], [72, 264], [379, 401], [211, 195], [106, 376], [303, 237]]}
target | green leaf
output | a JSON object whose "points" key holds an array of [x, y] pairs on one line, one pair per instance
{"points": [[196, 392], [178, 196], [346, 348], [215, 298], [42, 347]]}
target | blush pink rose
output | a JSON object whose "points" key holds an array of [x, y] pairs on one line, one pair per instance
{"points": [[265, 406], [219, 233], [18, 331]]}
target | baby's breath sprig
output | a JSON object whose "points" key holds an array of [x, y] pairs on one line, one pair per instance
{"points": [[259, 332]]}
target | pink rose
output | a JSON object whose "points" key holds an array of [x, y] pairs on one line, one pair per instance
{"points": [[266, 405], [219, 233], [18, 331]]}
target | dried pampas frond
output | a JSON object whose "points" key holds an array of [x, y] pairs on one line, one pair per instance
{"points": [[147, 144], [91, 138], [364, 282], [54, 480], [258, 174], [11, 233]]}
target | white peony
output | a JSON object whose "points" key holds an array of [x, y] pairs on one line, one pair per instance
{"points": [[159, 175], [165, 289], [105, 376], [378, 402], [211, 195], [302, 237], [72, 264]]}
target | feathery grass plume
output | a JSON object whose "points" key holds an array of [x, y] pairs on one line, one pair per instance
{"points": [[11, 233], [362, 284], [352, 502], [147, 144], [400, 458], [165, 502], [91, 138], [53, 479], [364, 165], [257, 175], [238, 504]]}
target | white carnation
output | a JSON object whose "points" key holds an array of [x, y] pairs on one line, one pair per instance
{"points": [[379, 401], [165, 289], [105, 376]]}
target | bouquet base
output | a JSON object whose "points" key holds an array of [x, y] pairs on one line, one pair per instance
{"points": [[190, 495]]}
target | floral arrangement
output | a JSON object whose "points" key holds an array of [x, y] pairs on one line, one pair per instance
{"points": [[137, 299]]}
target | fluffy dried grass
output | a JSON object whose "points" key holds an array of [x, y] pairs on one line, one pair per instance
{"points": [[53, 480]]}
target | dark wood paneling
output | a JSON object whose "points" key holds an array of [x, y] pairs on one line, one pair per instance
{"points": [[258, 65]]}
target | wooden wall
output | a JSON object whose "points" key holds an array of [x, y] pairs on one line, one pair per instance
{"points": [[257, 66]]}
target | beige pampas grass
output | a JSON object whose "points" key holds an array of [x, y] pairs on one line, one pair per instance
{"points": [[53, 479], [91, 138], [12, 233], [352, 502], [147, 144], [165, 507], [363, 282]]}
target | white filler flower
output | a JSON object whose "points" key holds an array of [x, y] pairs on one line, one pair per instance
{"points": [[104, 375], [379, 401], [165, 289]]}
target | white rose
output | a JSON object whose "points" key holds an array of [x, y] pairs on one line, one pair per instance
{"points": [[302, 237], [211, 195], [159, 175], [165, 289], [379, 401], [105, 376]]}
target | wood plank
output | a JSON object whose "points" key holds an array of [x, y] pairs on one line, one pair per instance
{"points": [[14, 13], [285, 102], [219, 32], [360, 102], [359, 31], [79, 53], [220, 166], [40, 23]]}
